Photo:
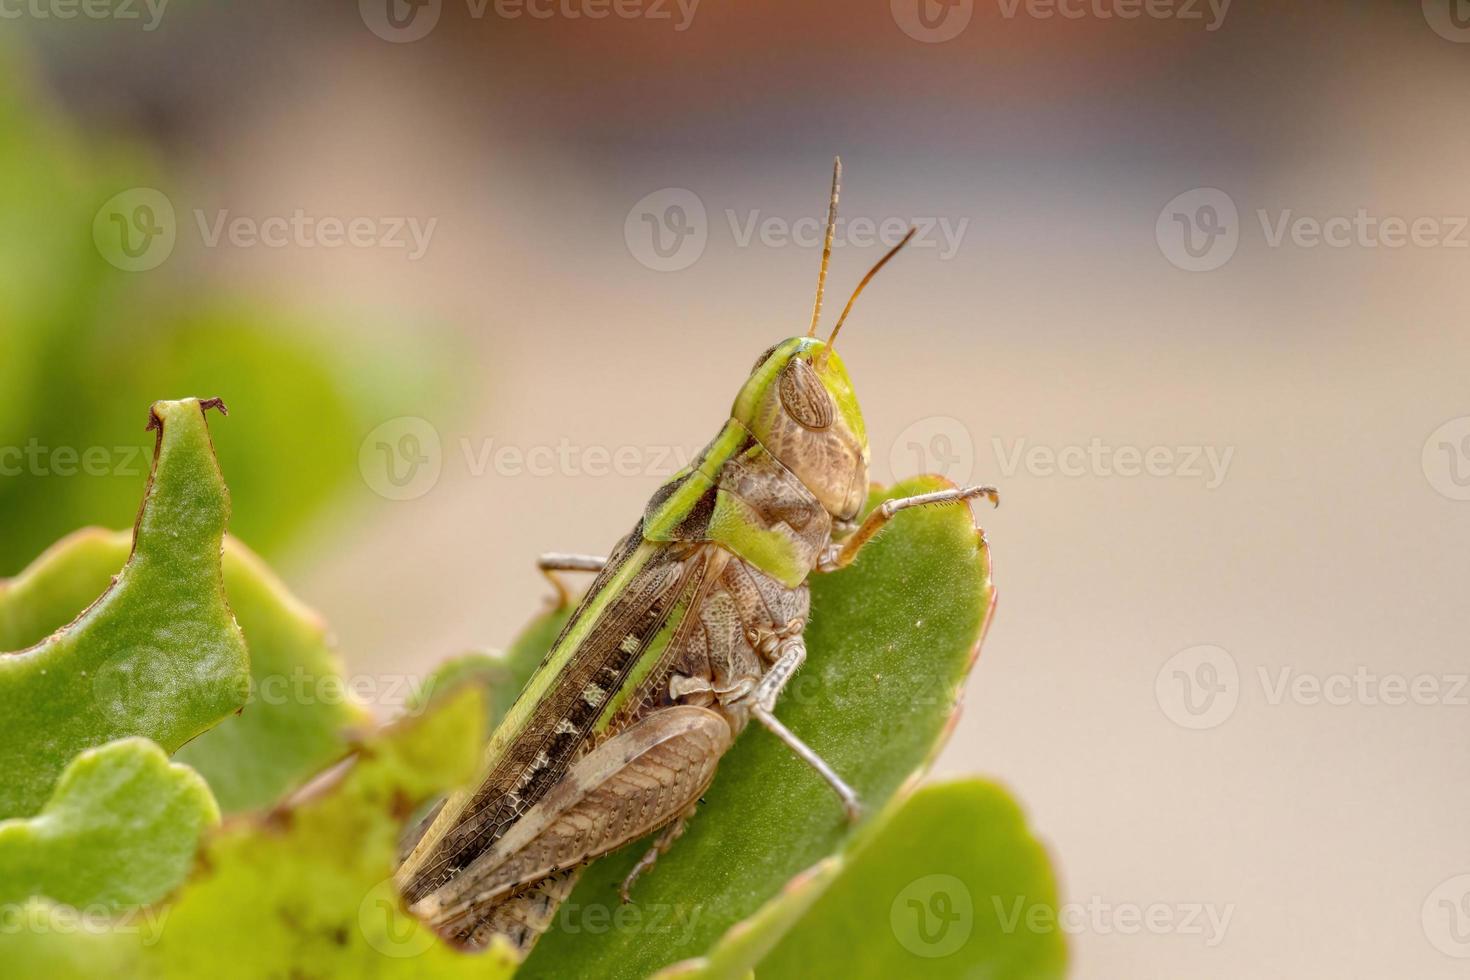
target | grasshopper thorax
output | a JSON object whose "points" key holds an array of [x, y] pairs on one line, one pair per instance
{"points": [[799, 402]]}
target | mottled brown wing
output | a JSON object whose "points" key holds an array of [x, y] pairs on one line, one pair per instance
{"points": [[644, 586], [637, 782]]}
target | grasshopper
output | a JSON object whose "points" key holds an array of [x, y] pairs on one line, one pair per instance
{"points": [[691, 628]]}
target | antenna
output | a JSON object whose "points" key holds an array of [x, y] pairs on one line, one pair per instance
{"points": [[865, 280], [827, 247]]}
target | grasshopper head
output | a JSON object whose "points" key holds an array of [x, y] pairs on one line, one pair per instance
{"points": [[799, 403]]}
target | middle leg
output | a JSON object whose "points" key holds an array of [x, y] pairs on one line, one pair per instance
{"points": [[761, 703], [553, 562]]}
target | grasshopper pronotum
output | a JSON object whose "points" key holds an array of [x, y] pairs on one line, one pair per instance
{"points": [[692, 628]]}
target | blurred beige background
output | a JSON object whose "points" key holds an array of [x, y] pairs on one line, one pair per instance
{"points": [[1326, 546]]}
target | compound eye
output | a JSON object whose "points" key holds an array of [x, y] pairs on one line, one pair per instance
{"points": [[804, 396]]}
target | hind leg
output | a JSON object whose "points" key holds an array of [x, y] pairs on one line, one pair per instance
{"points": [[660, 847]]}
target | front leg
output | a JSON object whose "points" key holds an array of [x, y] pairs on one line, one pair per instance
{"points": [[840, 556]]}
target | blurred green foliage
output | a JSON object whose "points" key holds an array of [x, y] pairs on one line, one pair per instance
{"points": [[83, 344], [304, 891], [299, 711], [120, 830]]}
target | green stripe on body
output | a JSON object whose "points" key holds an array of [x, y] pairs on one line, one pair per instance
{"points": [[545, 677], [774, 551], [765, 375], [696, 481], [646, 662]]}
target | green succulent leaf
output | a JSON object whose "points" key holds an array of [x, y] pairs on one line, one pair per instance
{"points": [[890, 641], [67, 576], [120, 831], [158, 655], [299, 711], [950, 883], [303, 891], [746, 943]]}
